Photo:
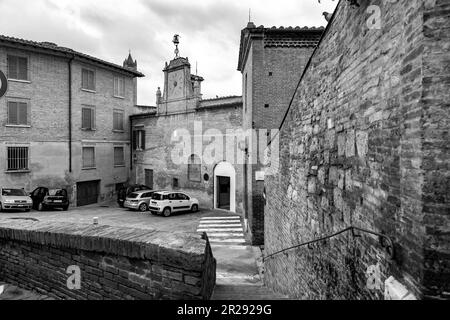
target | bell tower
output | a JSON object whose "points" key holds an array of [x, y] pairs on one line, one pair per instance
{"points": [[182, 90]]}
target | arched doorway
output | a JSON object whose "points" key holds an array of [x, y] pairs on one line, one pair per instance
{"points": [[225, 187]]}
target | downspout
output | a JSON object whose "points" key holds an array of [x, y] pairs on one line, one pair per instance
{"points": [[70, 113]]}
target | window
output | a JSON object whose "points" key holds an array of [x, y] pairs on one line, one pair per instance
{"points": [[119, 87], [88, 79], [245, 94], [139, 140], [194, 169], [118, 117], [17, 113], [266, 105], [18, 158], [88, 118], [17, 68], [119, 157], [88, 157]]}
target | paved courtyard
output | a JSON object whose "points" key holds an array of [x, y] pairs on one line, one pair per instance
{"points": [[236, 260]]}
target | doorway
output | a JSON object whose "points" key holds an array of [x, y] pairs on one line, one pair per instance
{"points": [[224, 195], [87, 193], [225, 187], [149, 178]]}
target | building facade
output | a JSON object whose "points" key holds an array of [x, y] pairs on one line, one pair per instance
{"points": [[365, 145], [271, 61], [64, 120], [183, 117]]}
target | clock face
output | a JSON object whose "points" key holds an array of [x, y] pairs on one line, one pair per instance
{"points": [[176, 85]]}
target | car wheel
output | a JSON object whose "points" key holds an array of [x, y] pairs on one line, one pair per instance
{"points": [[66, 208], [167, 212], [143, 207], [194, 208], [40, 207], [1, 207], [27, 210]]}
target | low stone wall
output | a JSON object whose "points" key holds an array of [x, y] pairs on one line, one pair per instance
{"points": [[113, 263]]}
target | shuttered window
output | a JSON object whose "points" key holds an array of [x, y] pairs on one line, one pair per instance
{"points": [[119, 87], [88, 79], [118, 118], [17, 68], [88, 157], [17, 113], [17, 158], [88, 118], [119, 157]]}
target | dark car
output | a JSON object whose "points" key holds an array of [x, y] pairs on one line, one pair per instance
{"points": [[45, 198], [126, 191]]}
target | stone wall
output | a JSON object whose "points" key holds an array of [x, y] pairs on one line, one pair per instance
{"points": [[365, 144], [115, 263]]}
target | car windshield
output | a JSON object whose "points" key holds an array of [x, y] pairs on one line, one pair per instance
{"points": [[159, 197], [14, 192], [57, 193], [133, 195]]}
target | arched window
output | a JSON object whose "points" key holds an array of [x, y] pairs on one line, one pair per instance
{"points": [[194, 169]]}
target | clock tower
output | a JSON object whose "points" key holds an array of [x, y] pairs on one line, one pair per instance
{"points": [[182, 90]]}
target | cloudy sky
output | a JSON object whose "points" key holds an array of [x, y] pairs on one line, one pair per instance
{"points": [[107, 29]]}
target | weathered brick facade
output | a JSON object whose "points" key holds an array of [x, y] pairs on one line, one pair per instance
{"points": [[181, 108], [365, 144], [152, 266], [48, 135], [271, 61]]}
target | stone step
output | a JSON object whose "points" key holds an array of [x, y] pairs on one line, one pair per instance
{"points": [[245, 292]]}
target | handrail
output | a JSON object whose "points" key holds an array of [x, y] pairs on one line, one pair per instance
{"points": [[385, 241]]}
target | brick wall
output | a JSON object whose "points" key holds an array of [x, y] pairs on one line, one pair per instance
{"points": [[115, 263], [363, 145], [47, 135]]}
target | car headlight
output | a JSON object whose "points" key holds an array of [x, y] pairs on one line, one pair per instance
{"points": [[9, 201]]}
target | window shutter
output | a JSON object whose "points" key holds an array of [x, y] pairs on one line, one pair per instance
{"points": [[23, 69], [87, 118], [12, 67], [84, 79], [134, 140], [143, 140], [12, 113], [22, 113]]}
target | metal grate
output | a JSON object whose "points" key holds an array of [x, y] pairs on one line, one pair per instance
{"points": [[17, 158]]}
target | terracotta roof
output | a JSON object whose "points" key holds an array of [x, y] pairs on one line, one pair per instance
{"points": [[54, 49]]}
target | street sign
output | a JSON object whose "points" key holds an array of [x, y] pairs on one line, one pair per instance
{"points": [[3, 84]]}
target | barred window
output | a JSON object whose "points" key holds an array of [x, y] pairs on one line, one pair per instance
{"points": [[88, 157], [194, 169], [88, 79], [119, 157], [88, 118], [17, 158], [118, 119], [119, 87], [17, 68], [17, 113]]}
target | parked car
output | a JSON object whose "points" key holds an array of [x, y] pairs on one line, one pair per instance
{"points": [[139, 200], [14, 199], [126, 191], [166, 203], [45, 198]]}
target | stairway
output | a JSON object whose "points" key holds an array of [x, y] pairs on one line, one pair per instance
{"points": [[245, 292]]}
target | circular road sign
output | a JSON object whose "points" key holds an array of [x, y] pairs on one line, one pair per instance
{"points": [[3, 84]]}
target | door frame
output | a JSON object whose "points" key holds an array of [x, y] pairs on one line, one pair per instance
{"points": [[225, 169]]}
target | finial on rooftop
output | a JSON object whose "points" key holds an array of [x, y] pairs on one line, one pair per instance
{"points": [[176, 42]]}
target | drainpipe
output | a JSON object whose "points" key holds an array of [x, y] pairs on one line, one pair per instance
{"points": [[70, 113]]}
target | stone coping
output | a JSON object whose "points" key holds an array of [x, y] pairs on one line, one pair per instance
{"points": [[186, 250]]}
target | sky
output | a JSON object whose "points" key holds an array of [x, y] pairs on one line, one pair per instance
{"points": [[108, 29]]}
